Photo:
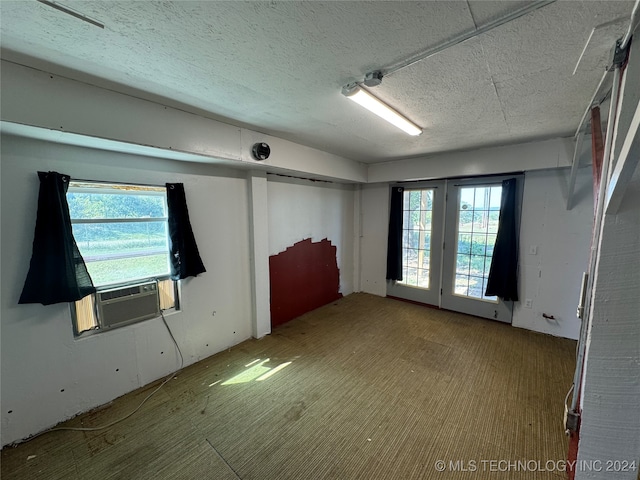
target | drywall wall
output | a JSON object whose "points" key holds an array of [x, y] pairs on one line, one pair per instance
{"points": [[303, 209], [47, 374], [561, 239], [373, 239], [550, 278]]}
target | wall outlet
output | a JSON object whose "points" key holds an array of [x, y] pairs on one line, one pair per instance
{"points": [[533, 249], [528, 303]]}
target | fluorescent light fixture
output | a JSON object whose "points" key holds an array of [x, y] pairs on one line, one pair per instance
{"points": [[384, 111]]}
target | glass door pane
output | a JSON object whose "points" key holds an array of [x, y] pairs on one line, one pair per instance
{"points": [[478, 214], [423, 216], [472, 215], [416, 237]]}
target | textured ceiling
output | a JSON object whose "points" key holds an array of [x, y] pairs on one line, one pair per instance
{"points": [[278, 67]]}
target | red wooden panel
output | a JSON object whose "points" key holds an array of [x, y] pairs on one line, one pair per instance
{"points": [[302, 278]]}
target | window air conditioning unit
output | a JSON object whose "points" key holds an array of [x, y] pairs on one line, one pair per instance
{"points": [[124, 305]]}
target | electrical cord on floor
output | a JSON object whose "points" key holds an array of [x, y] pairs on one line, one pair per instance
{"points": [[174, 342], [566, 409], [566, 399], [111, 424]]}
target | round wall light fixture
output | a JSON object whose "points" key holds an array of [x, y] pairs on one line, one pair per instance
{"points": [[261, 151]]}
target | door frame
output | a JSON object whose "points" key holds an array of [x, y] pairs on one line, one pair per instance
{"points": [[443, 255], [500, 310], [430, 296]]}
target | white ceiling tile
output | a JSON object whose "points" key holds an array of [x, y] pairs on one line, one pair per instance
{"points": [[484, 11], [539, 104], [551, 37], [278, 67]]}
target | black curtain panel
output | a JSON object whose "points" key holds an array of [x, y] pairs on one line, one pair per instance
{"points": [[503, 274], [57, 272], [394, 243], [184, 255]]}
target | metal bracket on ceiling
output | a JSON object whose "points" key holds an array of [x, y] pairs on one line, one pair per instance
{"points": [[588, 42], [373, 79], [349, 89], [618, 56]]}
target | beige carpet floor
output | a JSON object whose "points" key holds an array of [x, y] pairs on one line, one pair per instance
{"points": [[364, 388]]}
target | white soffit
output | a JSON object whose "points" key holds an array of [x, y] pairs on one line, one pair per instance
{"points": [[67, 138]]}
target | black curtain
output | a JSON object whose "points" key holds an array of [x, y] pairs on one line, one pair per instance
{"points": [[184, 255], [503, 274], [57, 272], [394, 242]]}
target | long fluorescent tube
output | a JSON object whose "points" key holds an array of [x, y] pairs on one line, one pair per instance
{"points": [[384, 111]]}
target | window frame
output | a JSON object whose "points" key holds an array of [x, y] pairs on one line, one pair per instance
{"points": [[115, 188]]}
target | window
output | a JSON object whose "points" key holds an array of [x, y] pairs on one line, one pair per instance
{"points": [[122, 234], [416, 237], [478, 217]]}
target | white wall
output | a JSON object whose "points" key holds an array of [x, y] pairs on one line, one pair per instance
{"points": [[373, 241], [41, 357], [259, 256], [300, 209], [555, 153], [551, 278]]}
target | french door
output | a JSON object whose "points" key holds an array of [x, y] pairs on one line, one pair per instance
{"points": [[449, 231], [472, 215], [422, 222]]}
